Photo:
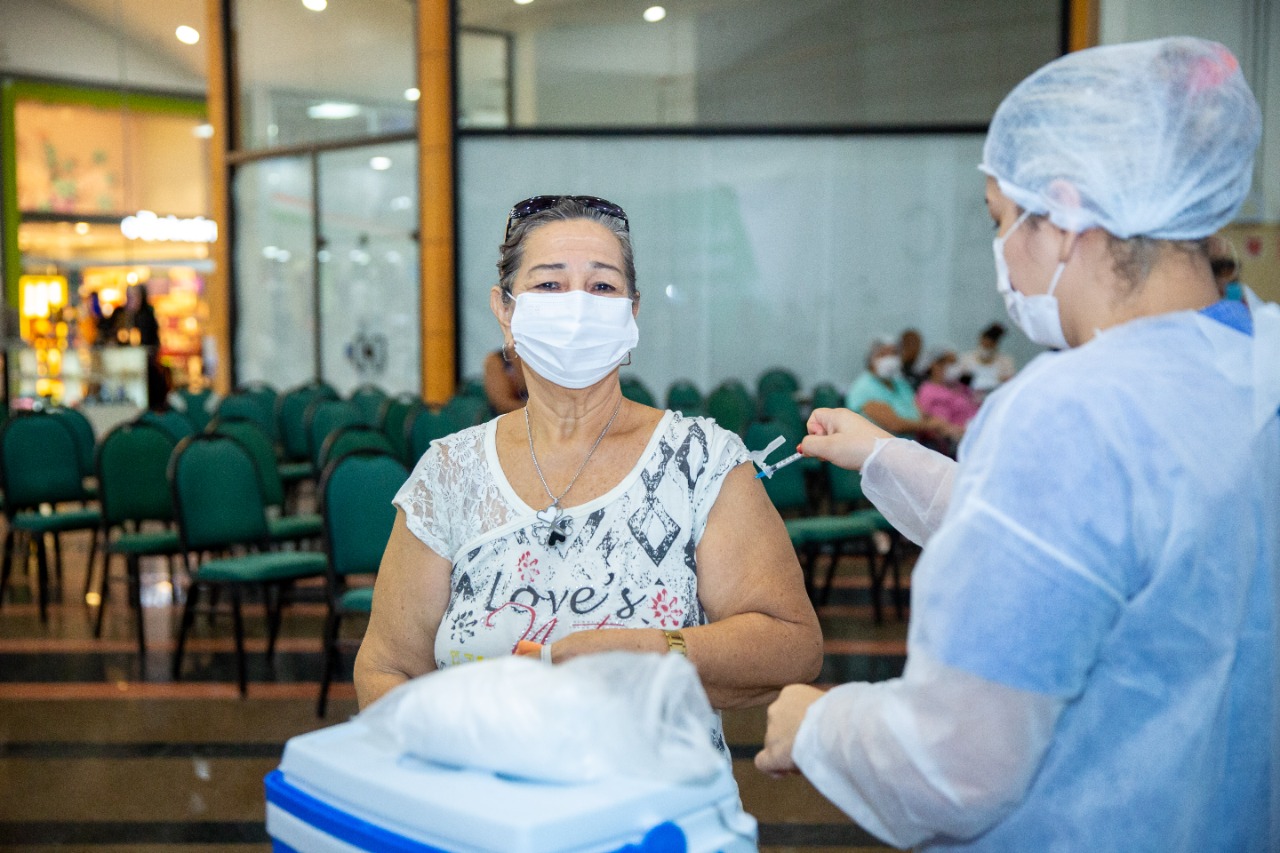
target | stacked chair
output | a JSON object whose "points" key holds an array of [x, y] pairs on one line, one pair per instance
{"points": [[42, 470], [355, 499], [226, 539]]}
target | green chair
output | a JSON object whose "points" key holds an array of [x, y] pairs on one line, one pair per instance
{"points": [[729, 404], [776, 379], [368, 400], [217, 500], [635, 390], [324, 417], [684, 396], [852, 534], [291, 410], [350, 439], [266, 395], [787, 488], [244, 405], [196, 408], [425, 428], [300, 528], [40, 468], [132, 466], [397, 412], [473, 388], [826, 396], [464, 411], [781, 406], [86, 443], [171, 421], [355, 500]]}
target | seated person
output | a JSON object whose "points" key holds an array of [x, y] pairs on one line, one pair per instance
{"points": [[504, 381], [587, 522], [885, 398], [988, 367], [943, 395]]}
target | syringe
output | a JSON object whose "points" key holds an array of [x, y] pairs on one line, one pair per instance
{"points": [[770, 470]]}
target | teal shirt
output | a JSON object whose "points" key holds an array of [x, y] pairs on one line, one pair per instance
{"points": [[869, 388]]}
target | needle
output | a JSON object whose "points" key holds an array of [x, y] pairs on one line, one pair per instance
{"points": [[770, 470]]}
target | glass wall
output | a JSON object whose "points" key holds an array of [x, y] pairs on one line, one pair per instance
{"points": [[274, 266], [748, 245], [759, 63], [311, 72], [369, 268]]}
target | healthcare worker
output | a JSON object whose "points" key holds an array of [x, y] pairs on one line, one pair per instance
{"points": [[1091, 660]]}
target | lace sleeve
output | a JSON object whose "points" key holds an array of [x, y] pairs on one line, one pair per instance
{"points": [[424, 499], [724, 452]]}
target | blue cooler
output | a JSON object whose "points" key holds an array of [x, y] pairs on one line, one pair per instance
{"points": [[343, 789]]}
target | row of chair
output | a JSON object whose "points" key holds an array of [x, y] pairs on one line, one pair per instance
{"points": [[732, 405]]}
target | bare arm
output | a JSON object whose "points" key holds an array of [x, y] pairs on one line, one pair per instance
{"points": [[763, 632], [409, 600]]}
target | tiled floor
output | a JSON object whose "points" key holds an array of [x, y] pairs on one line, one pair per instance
{"points": [[100, 757]]}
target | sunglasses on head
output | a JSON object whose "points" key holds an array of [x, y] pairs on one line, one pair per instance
{"points": [[539, 203]]}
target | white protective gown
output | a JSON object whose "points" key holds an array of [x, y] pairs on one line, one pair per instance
{"points": [[1092, 651]]}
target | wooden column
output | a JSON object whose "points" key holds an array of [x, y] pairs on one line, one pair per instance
{"points": [[437, 265], [217, 289], [1083, 24]]}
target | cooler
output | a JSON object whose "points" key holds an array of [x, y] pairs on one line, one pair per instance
{"points": [[343, 789]]}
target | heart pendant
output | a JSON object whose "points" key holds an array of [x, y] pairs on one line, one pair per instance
{"points": [[549, 515]]}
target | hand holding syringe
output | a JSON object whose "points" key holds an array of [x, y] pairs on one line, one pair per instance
{"points": [[770, 470]]}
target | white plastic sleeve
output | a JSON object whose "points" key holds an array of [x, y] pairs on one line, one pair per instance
{"points": [[938, 752], [910, 484]]}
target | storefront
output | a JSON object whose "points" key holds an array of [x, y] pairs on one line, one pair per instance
{"points": [[106, 207]]}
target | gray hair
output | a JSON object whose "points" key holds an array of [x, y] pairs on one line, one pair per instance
{"points": [[511, 252]]}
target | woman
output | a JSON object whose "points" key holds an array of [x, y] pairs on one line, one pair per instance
{"points": [[1092, 653], [884, 397], [942, 395], [586, 511], [987, 367]]}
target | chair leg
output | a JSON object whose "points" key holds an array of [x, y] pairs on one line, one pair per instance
{"points": [[876, 573], [57, 559], [188, 616], [93, 554], [330, 660], [42, 577], [237, 620], [825, 596], [273, 600], [7, 562], [135, 599], [104, 592]]}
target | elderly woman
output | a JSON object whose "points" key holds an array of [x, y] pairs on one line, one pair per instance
{"points": [[884, 396], [1091, 662], [586, 522]]}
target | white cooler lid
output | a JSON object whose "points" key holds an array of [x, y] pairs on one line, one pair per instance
{"points": [[354, 770]]}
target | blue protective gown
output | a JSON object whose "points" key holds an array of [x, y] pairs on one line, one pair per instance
{"points": [[1103, 581]]}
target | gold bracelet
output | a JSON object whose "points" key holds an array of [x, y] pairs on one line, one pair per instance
{"points": [[675, 643]]}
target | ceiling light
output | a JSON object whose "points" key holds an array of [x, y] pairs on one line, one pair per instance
{"points": [[523, 2], [316, 5], [333, 109], [82, 228], [187, 35], [412, 93], [380, 164], [202, 131], [654, 14]]}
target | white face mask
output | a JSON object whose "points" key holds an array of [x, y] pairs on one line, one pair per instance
{"points": [[573, 339], [952, 372], [1037, 315], [887, 366]]}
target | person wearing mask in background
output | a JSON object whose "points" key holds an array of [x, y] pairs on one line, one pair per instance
{"points": [[1092, 655], [987, 367], [909, 344], [1226, 268], [884, 396], [942, 395], [504, 381]]}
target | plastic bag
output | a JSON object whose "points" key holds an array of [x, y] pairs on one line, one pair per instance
{"points": [[591, 718]]}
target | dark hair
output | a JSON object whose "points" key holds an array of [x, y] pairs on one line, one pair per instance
{"points": [[994, 332], [511, 252]]}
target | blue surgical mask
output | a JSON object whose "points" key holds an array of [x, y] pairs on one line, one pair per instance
{"points": [[1037, 315]]}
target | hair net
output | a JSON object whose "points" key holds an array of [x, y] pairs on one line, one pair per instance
{"points": [[1153, 139], [878, 342], [935, 353]]}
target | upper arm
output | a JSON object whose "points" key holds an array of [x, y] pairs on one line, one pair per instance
{"points": [[882, 415], [409, 600], [745, 560]]}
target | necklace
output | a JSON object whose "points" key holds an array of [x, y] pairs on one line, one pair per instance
{"points": [[553, 516]]}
